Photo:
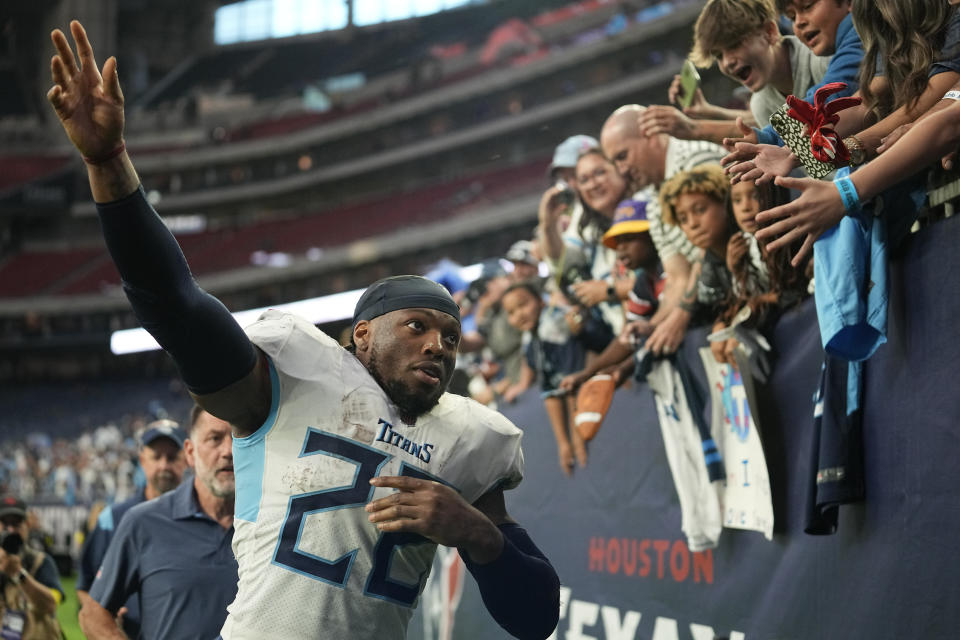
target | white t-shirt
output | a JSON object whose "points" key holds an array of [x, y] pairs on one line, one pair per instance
{"points": [[311, 565], [807, 70]]}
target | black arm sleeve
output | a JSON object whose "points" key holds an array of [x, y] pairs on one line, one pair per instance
{"points": [[209, 347], [520, 588]]}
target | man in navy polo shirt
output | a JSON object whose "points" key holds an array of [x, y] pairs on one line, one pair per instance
{"points": [[174, 553], [161, 459]]}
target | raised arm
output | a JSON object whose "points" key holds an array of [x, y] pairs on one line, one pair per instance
{"points": [[218, 363], [615, 353], [927, 141], [671, 324], [871, 137], [664, 119]]}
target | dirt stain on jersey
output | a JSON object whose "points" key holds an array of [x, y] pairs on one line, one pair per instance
{"points": [[317, 472], [362, 410]]}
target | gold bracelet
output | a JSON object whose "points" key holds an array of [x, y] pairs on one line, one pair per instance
{"points": [[858, 153]]}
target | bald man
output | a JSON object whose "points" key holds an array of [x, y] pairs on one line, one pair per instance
{"points": [[646, 162]]}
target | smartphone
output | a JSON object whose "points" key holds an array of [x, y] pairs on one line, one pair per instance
{"points": [[689, 82], [565, 193]]}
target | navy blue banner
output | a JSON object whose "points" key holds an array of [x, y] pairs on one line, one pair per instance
{"points": [[890, 571]]}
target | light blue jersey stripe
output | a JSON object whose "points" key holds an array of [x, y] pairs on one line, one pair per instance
{"points": [[249, 454]]}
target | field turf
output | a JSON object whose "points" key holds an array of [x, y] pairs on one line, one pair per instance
{"points": [[67, 611]]}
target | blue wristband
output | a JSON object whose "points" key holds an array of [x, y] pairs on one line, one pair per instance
{"points": [[848, 192]]}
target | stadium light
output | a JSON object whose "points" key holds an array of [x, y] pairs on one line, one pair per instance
{"points": [[331, 308]]}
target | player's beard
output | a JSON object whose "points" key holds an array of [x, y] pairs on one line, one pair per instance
{"points": [[410, 403]]}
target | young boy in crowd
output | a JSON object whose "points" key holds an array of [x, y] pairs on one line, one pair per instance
{"points": [[629, 235], [743, 37], [551, 351], [696, 201], [826, 28]]}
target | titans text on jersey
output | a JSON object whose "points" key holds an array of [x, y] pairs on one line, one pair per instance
{"points": [[389, 435]]}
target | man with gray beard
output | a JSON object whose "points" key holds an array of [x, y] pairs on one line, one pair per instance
{"points": [[161, 459], [173, 554]]}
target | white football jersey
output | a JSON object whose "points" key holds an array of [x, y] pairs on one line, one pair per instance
{"points": [[311, 564]]}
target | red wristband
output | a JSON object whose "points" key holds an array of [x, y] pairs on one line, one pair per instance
{"points": [[110, 156]]}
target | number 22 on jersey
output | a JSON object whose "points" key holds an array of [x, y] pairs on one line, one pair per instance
{"points": [[368, 463]]}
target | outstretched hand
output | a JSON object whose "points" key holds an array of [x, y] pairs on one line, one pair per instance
{"points": [[764, 163], [818, 208], [89, 103], [437, 512], [730, 144]]}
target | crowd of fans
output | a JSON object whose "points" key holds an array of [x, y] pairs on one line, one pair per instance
{"points": [[681, 216], [97, 465], [89, 467]]}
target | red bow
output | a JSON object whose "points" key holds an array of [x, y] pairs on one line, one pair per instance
{"points": [[825, 142]]}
